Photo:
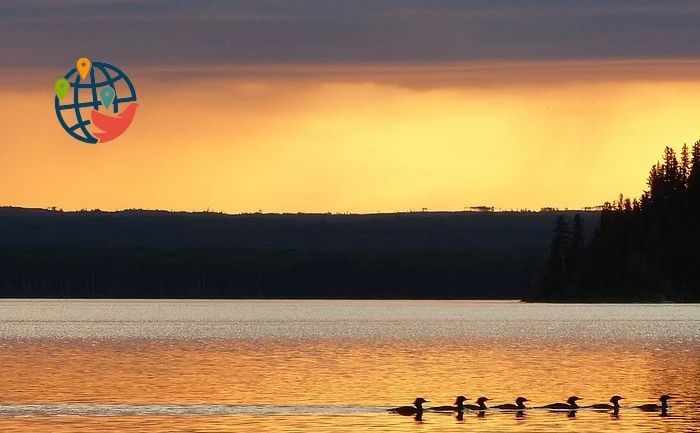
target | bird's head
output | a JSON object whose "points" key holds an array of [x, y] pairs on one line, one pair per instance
{"points": [[461, 399]]}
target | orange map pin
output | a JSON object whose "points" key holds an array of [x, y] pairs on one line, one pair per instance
{"points": [[83, 66]]}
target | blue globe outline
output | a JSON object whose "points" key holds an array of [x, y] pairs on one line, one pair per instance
{"points": [[96, 102]]}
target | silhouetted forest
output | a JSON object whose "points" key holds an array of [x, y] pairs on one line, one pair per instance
{"points": [[643, 250], [152, 254]]}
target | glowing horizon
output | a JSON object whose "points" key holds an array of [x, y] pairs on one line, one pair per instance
{"points": [[359, 138]]}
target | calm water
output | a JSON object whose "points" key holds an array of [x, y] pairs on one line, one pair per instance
{"points": [[321, 366]]}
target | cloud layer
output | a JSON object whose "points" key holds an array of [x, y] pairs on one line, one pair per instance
{"points": [[37, 33]]}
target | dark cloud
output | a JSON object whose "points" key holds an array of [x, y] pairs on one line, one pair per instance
{"points": [[50, 33], [420, 77]]}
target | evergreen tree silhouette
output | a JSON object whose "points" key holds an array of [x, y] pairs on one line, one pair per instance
{"points": [[554, 281], [693, 181]]}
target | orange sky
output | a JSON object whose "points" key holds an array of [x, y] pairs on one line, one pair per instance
{"points": [[358, 139]]}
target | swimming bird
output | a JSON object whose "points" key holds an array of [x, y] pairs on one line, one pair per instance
{"points": [[410, 410], [615, 400], [655, 407], [570, 404], [479, 404], [458, 406], [510, 406]]}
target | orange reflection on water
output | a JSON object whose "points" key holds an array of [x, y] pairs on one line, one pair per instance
{"points": [[366, 374]]}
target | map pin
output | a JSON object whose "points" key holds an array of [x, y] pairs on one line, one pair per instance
{"points": [[62, 86], [83, 66], [107, 96]]}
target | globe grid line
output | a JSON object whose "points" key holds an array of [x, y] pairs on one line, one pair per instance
{"points": [[79, 117], [93, 87]]}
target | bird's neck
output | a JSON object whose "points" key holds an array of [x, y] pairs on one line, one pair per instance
{"points": [[482, 405]]}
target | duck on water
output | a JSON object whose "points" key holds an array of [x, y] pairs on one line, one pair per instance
{"points": [[615, 400], [480, 404], [569, 405], [653, 407], [416, 409], [519, 405], [457, 407]]}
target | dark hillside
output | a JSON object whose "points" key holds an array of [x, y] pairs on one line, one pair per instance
{"points": [[166, 230], [147, 254]]}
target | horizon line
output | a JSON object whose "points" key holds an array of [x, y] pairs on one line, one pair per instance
{"points": [[467, 209]]}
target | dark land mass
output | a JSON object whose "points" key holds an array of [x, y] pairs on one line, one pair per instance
{"points": [[154, 254], [643, 250]]}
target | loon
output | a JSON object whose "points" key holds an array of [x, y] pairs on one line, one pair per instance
{"points": [[458, 406], [410, 410], [510, 406], [615, 400], [479, 404], [655, 407], [570, 404]]}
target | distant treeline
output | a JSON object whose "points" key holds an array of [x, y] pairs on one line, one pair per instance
{"points": [[152, 254], [645, 249], [224, 273], [318, 232], [155, 254]]}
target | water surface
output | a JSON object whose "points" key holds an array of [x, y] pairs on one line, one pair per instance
{"points": [[317, 366]]}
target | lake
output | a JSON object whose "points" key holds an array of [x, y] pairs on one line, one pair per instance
{"points": [[322, 366]]}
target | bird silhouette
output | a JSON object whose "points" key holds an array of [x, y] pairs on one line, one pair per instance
{"points": [[570, 404], [615, 400], [480, 404], [510, 406], [655, 407], [416, 409], [458, 406]]}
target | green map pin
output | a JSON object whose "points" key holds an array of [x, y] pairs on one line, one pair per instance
{"points": [[62, 86]]}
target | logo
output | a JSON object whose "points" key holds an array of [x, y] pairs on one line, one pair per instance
{"points": [[95, 102]]}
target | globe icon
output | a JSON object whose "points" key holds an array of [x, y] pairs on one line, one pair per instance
{"points": [[76, 110]]}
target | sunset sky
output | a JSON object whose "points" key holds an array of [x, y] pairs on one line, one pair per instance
{"points": [[351, 105]]}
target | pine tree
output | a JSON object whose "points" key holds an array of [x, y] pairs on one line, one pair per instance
{"points": [[685, 165], [673, 179], [694, 181], [655, 182]]}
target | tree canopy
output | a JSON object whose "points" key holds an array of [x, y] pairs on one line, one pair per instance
{"points": [[643, 250]]}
